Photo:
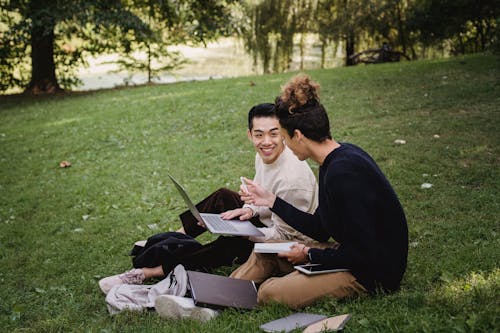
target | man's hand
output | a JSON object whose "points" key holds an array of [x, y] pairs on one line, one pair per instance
{"points": [[297, 254], [256, 195], [244, 214]]}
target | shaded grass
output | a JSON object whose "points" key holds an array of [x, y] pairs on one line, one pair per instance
{"points": [[63, 229]]}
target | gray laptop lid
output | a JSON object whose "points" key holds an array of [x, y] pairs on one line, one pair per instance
{"points": [[214, 222], [218, 292], [292, 322], [192, 208]]}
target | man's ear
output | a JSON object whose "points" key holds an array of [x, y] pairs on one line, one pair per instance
{"points": [[297, 134], [249, 135]]}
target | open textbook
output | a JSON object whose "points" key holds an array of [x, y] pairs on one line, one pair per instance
{"points": [[273, 247]]}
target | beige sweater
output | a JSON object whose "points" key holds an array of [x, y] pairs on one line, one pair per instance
{"points": [[293, 181]]}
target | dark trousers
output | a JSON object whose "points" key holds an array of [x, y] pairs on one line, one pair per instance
{"points": [[225, 250]]}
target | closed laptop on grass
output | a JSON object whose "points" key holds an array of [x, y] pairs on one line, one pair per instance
{"points": [[214, 223], [219, 292], [292, 322], [314, 323]]}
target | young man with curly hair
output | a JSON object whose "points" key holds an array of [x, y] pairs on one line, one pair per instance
{"points": [[358, 209]]}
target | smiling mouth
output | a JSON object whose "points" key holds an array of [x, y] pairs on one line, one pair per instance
{"points": [[267, 151]]}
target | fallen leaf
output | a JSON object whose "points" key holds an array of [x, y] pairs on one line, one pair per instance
{"points": [[65, 164]]}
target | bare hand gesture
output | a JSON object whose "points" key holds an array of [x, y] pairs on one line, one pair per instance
{"points": [[256, 195]]}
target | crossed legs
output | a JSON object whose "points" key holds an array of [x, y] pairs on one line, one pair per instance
{"points": [[282, 284]]}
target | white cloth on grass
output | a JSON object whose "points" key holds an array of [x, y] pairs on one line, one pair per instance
{"points": [[138, 297]]}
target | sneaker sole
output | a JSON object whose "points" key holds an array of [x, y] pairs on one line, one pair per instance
{"points": [[168, 308]]}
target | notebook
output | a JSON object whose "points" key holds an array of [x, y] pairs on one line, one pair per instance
{"points": [[273, 247], [214, 223], [313, 269], [219, 292]]}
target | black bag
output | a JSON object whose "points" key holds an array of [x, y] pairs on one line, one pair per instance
{"points": [[162, 248]]}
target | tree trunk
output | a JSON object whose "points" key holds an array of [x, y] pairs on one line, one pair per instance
{"points": [[480, 30], [301, 48], [43, 69], [323, 55], [150, 74], [401, 29], [349, 49]]}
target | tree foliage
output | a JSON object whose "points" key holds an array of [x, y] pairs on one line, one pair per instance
{"points": [[58, 34], [43, 42], [467, 25], [408, 26]]}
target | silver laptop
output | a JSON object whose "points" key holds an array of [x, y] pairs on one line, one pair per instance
{"points": [[214, 223]]}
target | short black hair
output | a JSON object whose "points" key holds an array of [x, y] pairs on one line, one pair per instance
{"points": [[261, 110], [311, 119]]}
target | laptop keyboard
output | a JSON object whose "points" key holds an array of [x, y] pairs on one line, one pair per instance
{"points": [[219, 225]]}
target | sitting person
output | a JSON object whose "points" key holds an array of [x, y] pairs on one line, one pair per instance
{"points": [[278, 170], [357, 208]]}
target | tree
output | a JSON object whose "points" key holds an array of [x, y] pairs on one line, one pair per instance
{"points": [[346, 21], [45, 30], [270, 28], [304, 21], [265, 20], [172, 23], [59, 33], [468, 25]]}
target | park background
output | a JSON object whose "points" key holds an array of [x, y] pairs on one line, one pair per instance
{"points": [[431, 121]]}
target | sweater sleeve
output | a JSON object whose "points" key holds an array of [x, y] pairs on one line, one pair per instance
{"points": [[306, 223], [303, 200]]}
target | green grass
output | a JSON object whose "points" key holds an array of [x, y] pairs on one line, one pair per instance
{"points": [[61, 230]]}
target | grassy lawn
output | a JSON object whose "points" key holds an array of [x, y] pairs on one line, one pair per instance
{"points": [[61, 230]]}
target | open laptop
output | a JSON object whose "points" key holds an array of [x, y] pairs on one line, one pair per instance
{"points": [[214, 223], [219, 292]]}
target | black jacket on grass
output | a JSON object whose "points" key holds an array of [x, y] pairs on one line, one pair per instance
{"points": [[359, 209]]}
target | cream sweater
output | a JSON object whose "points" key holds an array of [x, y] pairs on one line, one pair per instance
{"points": [[293, 181]]}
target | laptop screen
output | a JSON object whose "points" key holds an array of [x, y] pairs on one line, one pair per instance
{"points": [[187, 200]]}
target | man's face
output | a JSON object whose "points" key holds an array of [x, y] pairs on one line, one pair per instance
{"points": [[294, 145], [266, 138]]}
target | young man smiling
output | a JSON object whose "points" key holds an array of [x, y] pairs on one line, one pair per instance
{"points": [[278, 170]]}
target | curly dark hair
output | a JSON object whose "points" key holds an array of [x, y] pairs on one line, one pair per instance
{"points": [[299, 107]]}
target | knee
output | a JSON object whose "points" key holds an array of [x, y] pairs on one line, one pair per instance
{"points": [[269, 293], [223, 192]]}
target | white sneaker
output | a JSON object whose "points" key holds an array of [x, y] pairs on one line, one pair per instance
{"points": [[177, 307], [134, 276]]}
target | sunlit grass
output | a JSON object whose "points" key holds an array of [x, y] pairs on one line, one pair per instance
{"points": [[63, 229]]}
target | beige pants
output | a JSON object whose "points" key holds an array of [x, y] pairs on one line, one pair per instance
{"points": [[283, 284]]}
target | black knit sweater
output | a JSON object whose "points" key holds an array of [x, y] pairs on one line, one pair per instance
{"points": [[359, 209]]}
